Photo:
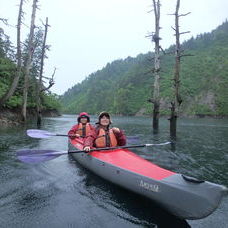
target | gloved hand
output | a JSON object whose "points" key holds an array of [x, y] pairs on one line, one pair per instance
{"points": [[86, 148]]}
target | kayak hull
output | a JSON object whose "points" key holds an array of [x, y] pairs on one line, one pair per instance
{"points": [[181, 196]]}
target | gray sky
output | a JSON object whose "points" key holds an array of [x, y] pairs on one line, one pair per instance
{"points": [[87, 34]]}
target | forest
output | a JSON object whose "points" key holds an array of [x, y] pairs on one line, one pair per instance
{"points": [[124, 86], [22, 83], [8, 70]]}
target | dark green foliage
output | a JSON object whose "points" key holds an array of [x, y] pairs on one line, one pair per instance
{"points": [[124, 86], [8, 71]]}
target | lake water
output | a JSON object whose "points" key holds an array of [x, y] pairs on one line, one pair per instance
{"points": [[61, 193]]}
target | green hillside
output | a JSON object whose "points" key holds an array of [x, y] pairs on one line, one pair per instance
{"points": [[124, 86]]}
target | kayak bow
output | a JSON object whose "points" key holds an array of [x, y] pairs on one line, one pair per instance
{"points": [[183, 196]]}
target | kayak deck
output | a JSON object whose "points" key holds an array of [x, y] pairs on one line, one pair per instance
{"points": [[127, 160]]}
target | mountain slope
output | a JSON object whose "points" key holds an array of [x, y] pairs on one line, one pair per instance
{"points": [[124, 86]]}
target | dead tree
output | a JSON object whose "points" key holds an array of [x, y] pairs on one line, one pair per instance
{"points": [[156, 92], [51, 82], [39, 84], [155, 100], [28, 61], [14, 84], [5, 21], [177, 100]]}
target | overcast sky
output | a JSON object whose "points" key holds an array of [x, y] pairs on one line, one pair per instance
{"points": [[87, 34]]}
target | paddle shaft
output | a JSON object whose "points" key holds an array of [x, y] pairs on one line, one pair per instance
{"points": [[36, 133], [63, 135], [117, 147], [105, 148], [35, 156]]}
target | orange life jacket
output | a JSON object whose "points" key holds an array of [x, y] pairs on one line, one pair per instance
{"points": [[105, 139], [83, 129]]}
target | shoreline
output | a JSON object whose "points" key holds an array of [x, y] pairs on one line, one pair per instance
{"points": [[197, 116], [12, 117]]}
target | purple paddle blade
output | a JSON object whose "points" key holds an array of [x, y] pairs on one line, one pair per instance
{"points": [[36, 159], [34, 133], [133, 139], [36, 156]]}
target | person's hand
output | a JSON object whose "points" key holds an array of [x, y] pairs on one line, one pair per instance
{"points": [[86, 148], [71, 136], [115, 129]]}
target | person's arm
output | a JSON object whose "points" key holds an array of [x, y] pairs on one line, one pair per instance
{"points": [[88, 143], [120, 136], [72, 132]]}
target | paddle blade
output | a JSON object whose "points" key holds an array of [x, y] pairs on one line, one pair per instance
{"points": [[133, 139], [36, 156], [36, 159], [34, 133]]}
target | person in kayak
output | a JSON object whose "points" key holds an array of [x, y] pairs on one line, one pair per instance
{"points": [[103, 135], [83, 128]]}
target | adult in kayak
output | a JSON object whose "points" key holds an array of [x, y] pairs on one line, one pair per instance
{"points": [[103, 135], [83, 128]]}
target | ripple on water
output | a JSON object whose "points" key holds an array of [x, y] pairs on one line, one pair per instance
{"points": [[61, 193]]}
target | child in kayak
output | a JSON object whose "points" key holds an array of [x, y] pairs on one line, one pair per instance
{"points": [[83, 128], [103, 135]]}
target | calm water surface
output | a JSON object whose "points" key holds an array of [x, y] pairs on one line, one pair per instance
{"points": [[61, 193]]}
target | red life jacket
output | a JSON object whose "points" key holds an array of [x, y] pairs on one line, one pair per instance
{"points": [[105, 139], [83, 129]]}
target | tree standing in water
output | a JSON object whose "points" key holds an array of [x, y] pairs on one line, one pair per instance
{"points": [[156, 92], [177, 100], [155, 100]]}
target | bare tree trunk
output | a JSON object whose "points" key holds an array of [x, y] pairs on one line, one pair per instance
{"points": [[28, 61], [156, 92], [177, 98], [38, 100], [14, 84], [173, 120]]}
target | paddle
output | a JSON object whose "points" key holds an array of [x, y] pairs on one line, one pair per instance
{"points": [[42, 134], [36, 156]]}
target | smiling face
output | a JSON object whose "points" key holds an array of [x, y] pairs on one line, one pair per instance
{"points": [[104, 121], [83, 120]]}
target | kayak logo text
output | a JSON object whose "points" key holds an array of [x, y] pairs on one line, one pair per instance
{"points": [[150, 187]]}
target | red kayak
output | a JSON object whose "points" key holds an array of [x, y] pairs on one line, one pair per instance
{"points": [[183, 196]]}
